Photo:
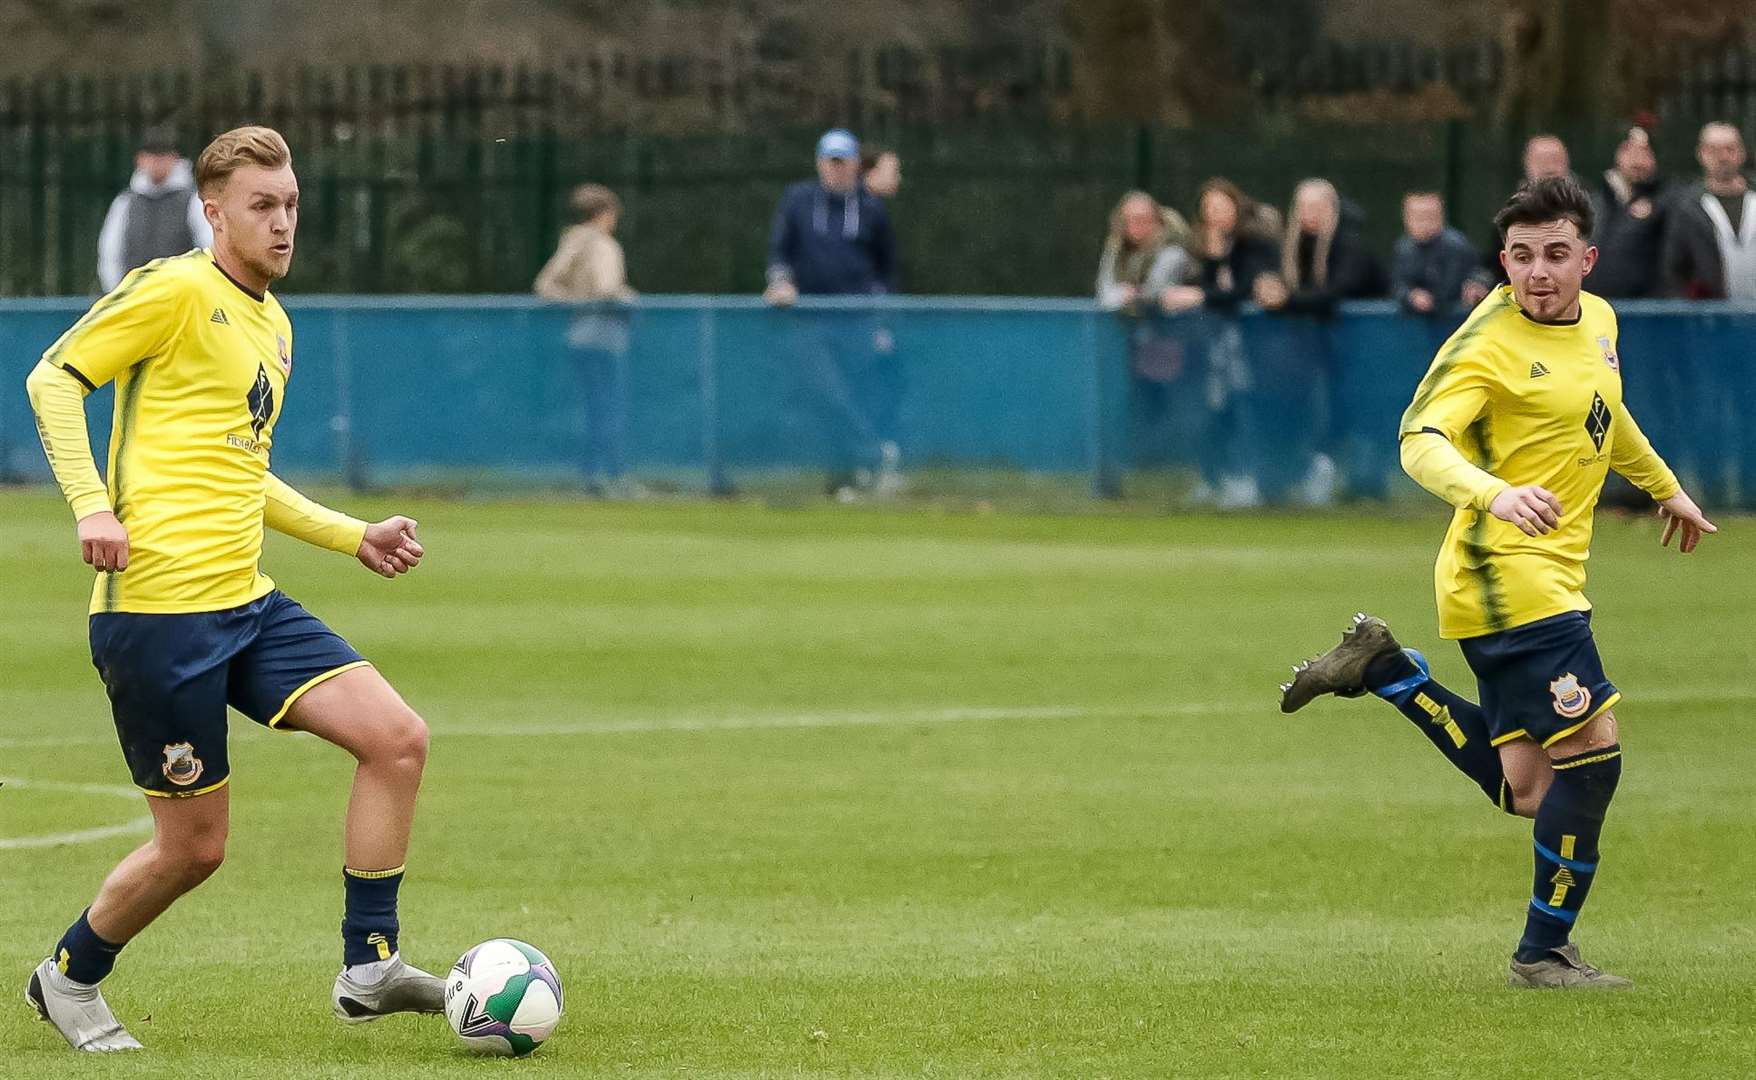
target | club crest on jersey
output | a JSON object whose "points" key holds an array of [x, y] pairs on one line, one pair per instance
{"points": [[181, 766], [1609, 354], [286, 355], [1571, 699]]}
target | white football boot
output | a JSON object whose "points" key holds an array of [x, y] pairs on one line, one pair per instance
{"points": [[77, 1011], [400, 988]]}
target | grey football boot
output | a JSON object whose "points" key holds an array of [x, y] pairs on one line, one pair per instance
{"points": [[403, 988], [77, 1011], [1562, 969], [1342, 670]]}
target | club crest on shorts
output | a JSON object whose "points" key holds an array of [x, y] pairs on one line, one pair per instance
{"points": [[1571, 699], [1609, 354], [181, 765]]}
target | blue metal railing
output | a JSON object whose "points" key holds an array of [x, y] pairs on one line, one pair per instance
{"points": [[387, 389]]}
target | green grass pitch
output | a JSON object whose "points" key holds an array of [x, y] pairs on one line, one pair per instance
{"points": [[838, 792]]}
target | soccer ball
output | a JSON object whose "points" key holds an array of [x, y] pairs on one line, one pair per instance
{"points": [[503, 997]]}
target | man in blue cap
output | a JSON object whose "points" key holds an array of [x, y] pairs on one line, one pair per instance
{"points": [[831, 237]]}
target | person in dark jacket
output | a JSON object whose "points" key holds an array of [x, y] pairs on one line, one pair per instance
{"points": [[158, 216], [1632, 204], [1230, 251], [1710, 245], [832, 237], [1436, 271], [1323, 262]]}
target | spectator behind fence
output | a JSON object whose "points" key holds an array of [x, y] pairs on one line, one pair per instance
{"points": [[1322, 262], [1143, 255], [1546, 156], [832, 237], [1143, 258], [1231, 250], [158, 216], [1710, 246], [1436, 270], [1632, 207], [588, 269]]}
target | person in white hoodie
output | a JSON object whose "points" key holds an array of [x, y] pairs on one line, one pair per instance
{"points": [[158, 216]]}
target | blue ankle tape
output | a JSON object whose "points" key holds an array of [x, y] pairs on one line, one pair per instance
{"points": [[1403, 686]]}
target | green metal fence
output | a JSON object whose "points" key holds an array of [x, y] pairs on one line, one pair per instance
{"points": [[418, 180]]}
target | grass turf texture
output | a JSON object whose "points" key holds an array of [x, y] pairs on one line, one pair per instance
{"points": [[838, 793]]}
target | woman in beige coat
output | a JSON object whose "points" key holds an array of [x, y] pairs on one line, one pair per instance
{"points": [[587, 270]]}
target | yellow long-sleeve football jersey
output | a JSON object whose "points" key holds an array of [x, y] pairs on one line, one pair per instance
{"points": [[1525, 402], [201, 367]]}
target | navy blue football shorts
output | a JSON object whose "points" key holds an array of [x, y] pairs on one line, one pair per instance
{"points": [[170, 678], [1542, 680]]}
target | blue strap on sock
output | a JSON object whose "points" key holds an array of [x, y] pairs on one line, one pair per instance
{"points": [[1402, 687]]}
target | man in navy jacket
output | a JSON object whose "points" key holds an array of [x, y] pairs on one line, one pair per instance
{"points": [[831, 237]]}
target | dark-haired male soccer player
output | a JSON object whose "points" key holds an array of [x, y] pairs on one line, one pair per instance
{"points": [[1515, 425], [183, 623]]}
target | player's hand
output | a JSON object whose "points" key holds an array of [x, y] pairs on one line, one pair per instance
{"points": [[390, 547], [1420, 300], [1680, 512], [103, 542], [1532, 508], [781, 293]]}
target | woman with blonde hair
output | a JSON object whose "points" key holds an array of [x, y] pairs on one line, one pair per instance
{"points": [[1143, 260], [1322, 262], [587, 270], [1143, 254]]}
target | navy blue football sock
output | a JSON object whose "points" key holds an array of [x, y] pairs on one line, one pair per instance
{"points": [[368, 928], [1455, 726], [82, 955], [1567, 826]]}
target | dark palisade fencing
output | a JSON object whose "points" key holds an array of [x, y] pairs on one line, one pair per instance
{"points": [[442, 179]]}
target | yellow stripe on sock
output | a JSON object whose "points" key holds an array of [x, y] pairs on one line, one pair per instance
{"points": [[372, 875], [1592, 760], [1568, 842]]}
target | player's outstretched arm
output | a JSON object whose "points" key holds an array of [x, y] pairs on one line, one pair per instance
{"points": [[1680, 514], [387, 548]]}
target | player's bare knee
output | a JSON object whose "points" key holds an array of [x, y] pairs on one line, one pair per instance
{"points": [[403, 742], [192, 860]]}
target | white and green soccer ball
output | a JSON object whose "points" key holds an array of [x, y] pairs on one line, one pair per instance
{"points": [[503, 997]]}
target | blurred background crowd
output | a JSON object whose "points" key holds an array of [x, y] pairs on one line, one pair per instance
{"points": [[1231, 180]]}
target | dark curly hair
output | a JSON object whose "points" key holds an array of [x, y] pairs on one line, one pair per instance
{"points": [[1553, 198]]}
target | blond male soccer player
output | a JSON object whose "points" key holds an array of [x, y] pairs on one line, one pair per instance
{"points": [[1515, 425], [183, 623]]}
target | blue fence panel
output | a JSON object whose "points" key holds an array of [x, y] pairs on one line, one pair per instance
{"points": [[715, 389]]}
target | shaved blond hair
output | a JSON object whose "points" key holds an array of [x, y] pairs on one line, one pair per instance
{"points": [[236, 149]]}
